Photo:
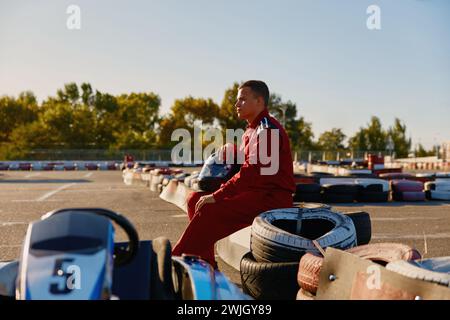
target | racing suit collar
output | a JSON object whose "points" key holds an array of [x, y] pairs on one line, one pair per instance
{"points": [[258, 118]]}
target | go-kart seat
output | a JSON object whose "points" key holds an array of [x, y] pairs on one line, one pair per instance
{"points": [[149, 275]]}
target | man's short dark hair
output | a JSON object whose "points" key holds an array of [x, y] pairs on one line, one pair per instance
{"points": [[259, 88]]}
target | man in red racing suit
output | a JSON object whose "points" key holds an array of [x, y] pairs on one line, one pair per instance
{"points": [[264, 182]]}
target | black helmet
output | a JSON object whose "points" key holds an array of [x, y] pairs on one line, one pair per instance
{"points": [[216, 170]]}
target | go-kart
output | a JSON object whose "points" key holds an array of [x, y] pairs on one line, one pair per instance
{"points": [[70, 254]]}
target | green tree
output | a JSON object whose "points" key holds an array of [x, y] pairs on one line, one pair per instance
{"points": [[371, 138], [193, 109], [358, 142], [420, 151], [401, 143], [16, 112], [332, 140], [227, 115], [107, 120], [86, 94], [376, 136], [69, 93], [184, 113], [138, 116], [299, 131]]}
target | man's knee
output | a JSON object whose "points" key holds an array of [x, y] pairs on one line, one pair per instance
{"points": [[193, 199]]}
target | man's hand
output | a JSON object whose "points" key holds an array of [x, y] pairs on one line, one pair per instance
{"points": [[204, 200]]}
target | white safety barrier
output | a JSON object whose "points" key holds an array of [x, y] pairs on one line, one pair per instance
{"points": [[60, 165], [231, 249], [358, 181]]}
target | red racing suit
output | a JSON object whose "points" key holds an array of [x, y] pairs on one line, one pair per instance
{"points": [[265, 182]]}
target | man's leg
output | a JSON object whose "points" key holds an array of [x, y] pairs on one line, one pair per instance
{"points": [[191, 201], [218, 220]]}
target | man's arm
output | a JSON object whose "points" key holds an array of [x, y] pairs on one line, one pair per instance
{"points": [[250, 172]]}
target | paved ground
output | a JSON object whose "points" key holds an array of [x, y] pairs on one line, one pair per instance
{"points": [[25, 196]]}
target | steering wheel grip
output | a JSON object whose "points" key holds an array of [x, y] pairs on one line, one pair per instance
{"points": [[122, 256]]}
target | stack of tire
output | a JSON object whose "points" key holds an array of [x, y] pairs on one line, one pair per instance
{"points": [[381, 253], [438, 190], [424, 177], [396, 176], [407, 190], [308, 192], [339, 193], [188, 179], [279, 238], [435, 270], [372, 190], [442, 176]]}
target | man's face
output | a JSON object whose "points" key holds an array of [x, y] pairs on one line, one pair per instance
{"points": [[247, 104]]}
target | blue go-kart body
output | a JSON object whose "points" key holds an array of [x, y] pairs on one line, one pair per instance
{"points": [[70, 254]]}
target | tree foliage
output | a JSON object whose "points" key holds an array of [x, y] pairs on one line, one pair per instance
{"points": [[332, 140], [80, 117]]}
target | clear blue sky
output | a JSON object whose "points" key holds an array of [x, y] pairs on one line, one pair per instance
{"points": [[318, 54]]}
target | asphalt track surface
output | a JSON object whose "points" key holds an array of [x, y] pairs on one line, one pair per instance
{"points": [[26, 196]]}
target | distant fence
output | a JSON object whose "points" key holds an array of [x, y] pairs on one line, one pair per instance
{"points": [[311, 156], [94, 155], [165, 155]]}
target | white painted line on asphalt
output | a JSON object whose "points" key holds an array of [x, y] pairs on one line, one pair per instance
{"points": [[100, 190], [179, 216], [32, 175], [51, 193], [35, 200], [7, 224], [443, 235], [87, 175], [425, 244]]}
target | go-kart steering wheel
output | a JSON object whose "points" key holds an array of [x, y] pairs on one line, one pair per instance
{"points": [[122, 256]]}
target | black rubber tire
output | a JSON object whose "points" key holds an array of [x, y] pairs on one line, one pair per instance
{"points": [[273, 237], [363, 175], [329, 197], [162, 284], [181, 176], [430, 186], [397, 196], [403, 196], [9, 270], [268, 281], [341, 188], [435, 270], [373, 197], [271, 253], [308, 197], [321, 174], [371, 188], [363, 226], [210, 184], [307, 188]]}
